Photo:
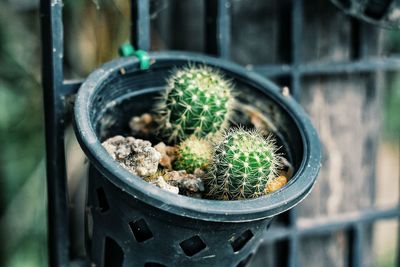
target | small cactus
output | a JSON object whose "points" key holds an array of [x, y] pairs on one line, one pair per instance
{"points": [[197, 102], [192, 154], [243, 163]]}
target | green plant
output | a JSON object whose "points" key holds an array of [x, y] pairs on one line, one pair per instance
{"points": [[193, 153], [198, 101], [243, 163]]}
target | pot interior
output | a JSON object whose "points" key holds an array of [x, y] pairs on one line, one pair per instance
{"points": [[127, 93]]}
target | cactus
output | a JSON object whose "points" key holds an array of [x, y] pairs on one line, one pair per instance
{"points": [[243, 163], [193, 153], [197, 102]]}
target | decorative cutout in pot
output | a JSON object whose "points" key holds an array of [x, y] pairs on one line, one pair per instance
{"points": [[132, 222]]}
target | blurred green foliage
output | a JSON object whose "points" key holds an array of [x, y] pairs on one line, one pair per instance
{"points": [[22, 178], [392, 109], [391, 95], [23, 221]]}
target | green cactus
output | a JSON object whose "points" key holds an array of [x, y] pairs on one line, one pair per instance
{"points": [[197, 102], [193, 153], [243, 163]]}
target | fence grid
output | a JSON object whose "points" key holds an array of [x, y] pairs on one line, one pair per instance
{"points": [[218, 40]]}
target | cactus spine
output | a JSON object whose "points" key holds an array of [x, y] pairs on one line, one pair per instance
{"points": [[243, 163], [197, 102], [193, 153]]}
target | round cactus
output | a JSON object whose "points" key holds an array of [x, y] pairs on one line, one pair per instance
{"points": [[193, 153], [197, 102], [243, 163]]}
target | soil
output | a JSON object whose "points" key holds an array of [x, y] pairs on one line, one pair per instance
{"points": [[155, 164]]}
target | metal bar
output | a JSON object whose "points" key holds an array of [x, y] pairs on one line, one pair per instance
{"points": [[350, 246], [293, 243], [357, 66], [293, 249], [218, 28], [274, 70], [71, 87], [140, 24], [297, 25], [277, 233], [356, 239], [315, 226], [224, 28], [365, 65], [355, 39], [68, 92], [363, 36], [296, 85], [398, 242], [211, 28], [52, 76]]}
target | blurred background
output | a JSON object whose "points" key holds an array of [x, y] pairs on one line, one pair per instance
{"points": [[357, 115]]}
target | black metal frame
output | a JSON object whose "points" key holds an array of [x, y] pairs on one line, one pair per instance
{"points": [[57, 90]]}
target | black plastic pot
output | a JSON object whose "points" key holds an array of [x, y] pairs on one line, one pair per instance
{"points": [[133, 223]]}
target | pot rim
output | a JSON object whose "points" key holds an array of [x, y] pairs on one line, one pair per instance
{"points": [[269, 205]]}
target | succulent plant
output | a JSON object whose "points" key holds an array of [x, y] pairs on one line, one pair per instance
{"points": [[243, 163], [198, 101], [193, 153]]}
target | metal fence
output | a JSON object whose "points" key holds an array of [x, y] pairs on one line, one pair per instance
{"points": [[218, 42]]}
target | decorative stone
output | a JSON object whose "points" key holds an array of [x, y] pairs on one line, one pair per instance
{"points": [[142, 125], [276, 184], [160, 182], [188, 184], [168, 154], [136, 155]]}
